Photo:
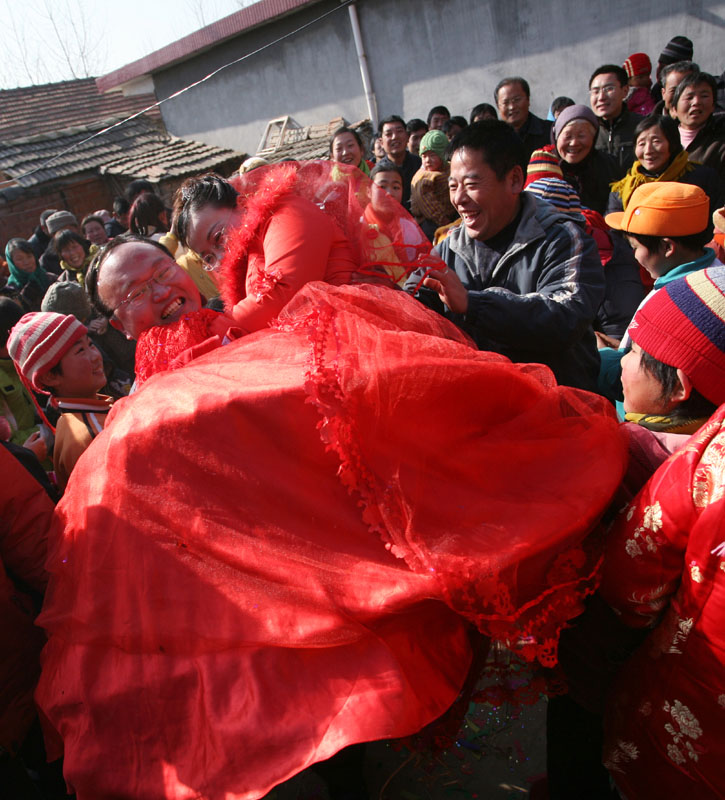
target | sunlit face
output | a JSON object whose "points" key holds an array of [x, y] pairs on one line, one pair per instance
{"points": [[575, 141], [432, 162], [695, 106], [395, 140], [485, 203], [436, 121], [654, 263], [672, 81], [25, 262], [207, 232], [95, 233], [414, 141], [642, 391], [607, 95], [81, 371], [513, 104], [652, 150], [131, 267], [346, 149], [73, 254], [391, 183]]}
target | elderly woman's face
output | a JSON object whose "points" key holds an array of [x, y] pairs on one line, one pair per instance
{"points": [[652, 150], [695, 106], [575, 141]]}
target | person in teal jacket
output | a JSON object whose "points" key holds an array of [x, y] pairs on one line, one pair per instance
{"points": [[667, 225]]}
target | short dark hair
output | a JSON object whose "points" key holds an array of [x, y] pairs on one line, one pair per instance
{"points": [[655, 244], [345, 129], [135, 188], [678, 66], [91, 278], [560, 103], [91, 218], [668, 127], [414, 125], [695, 406], [120, 205], [195, 193], [499, 145], [388, 120], [508, 81], [615, 69], [385, 165], [695, 79], [10, 315], [63, 238], [438, 110], [145, 214], [480, 110]]}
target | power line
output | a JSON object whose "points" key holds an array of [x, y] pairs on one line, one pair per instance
{"points": [[70, 149]]}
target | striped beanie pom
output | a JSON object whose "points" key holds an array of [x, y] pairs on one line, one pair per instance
{"points": [[683, 325], [40, 340], [542, 164], [558, 193]]}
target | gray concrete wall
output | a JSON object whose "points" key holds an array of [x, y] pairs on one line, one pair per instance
{"points": [[423, 53]]}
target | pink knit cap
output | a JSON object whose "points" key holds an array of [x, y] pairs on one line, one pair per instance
{"points": [[40, 340]]}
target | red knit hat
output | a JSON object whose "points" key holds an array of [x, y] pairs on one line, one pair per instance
{"points": [[683, 325], [40, 340], [543, 164], [637, 64]]}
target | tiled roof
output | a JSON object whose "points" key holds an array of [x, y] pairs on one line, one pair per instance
{"points": [[136, 149], [247, 18], [312, 141], [43, 109]]}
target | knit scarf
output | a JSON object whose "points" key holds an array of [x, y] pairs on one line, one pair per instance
{"points": [[663, 423], [18, 279], [679, 166]]}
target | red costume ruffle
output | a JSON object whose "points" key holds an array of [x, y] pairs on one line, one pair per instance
{"points": [[269, 553]]}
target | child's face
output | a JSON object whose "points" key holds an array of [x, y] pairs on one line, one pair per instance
{"points": [[640, 80], [432, 162], [390, 182], [642, 391], [655, 263], [81, 371]]}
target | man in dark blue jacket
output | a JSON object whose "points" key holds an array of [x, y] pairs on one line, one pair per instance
{"points": [[522, 278]]}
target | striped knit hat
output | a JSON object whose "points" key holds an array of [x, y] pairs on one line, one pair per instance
{"points": [[40, 340], [637, 64], [558, 193], [542, 164], [679, 48], [683, 325]]}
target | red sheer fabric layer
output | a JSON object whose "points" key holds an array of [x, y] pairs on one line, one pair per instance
{"points": [[260, 559]]}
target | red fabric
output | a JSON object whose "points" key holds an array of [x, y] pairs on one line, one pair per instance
{"points": [[25, 516], [665, 564], [307, 222], [269, 553]]}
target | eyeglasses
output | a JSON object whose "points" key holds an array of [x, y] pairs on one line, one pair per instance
{"points": [[610, 88], [135, 297]]}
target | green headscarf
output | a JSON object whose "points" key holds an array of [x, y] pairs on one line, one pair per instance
{"points": [[18, 278]]}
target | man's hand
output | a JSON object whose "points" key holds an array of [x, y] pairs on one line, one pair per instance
{"points": [[99, 326], [449, 288], [606, 341], [36, 444]]}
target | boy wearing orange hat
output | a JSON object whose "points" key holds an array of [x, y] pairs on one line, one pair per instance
{"points": [[667, 225], [53, 355]]}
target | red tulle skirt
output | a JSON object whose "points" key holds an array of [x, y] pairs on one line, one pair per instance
{"points": [[277, 550]]}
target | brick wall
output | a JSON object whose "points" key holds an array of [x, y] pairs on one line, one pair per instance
{"points": [[20, 216]]}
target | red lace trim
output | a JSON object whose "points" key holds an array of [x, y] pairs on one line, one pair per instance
{"points": [[159, 346]]}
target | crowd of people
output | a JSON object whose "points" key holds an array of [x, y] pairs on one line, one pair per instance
{"points": [[320, 432]]}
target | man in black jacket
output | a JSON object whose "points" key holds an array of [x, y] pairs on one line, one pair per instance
{"points": [[512, 96], [522, 278], [608, 89]]}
